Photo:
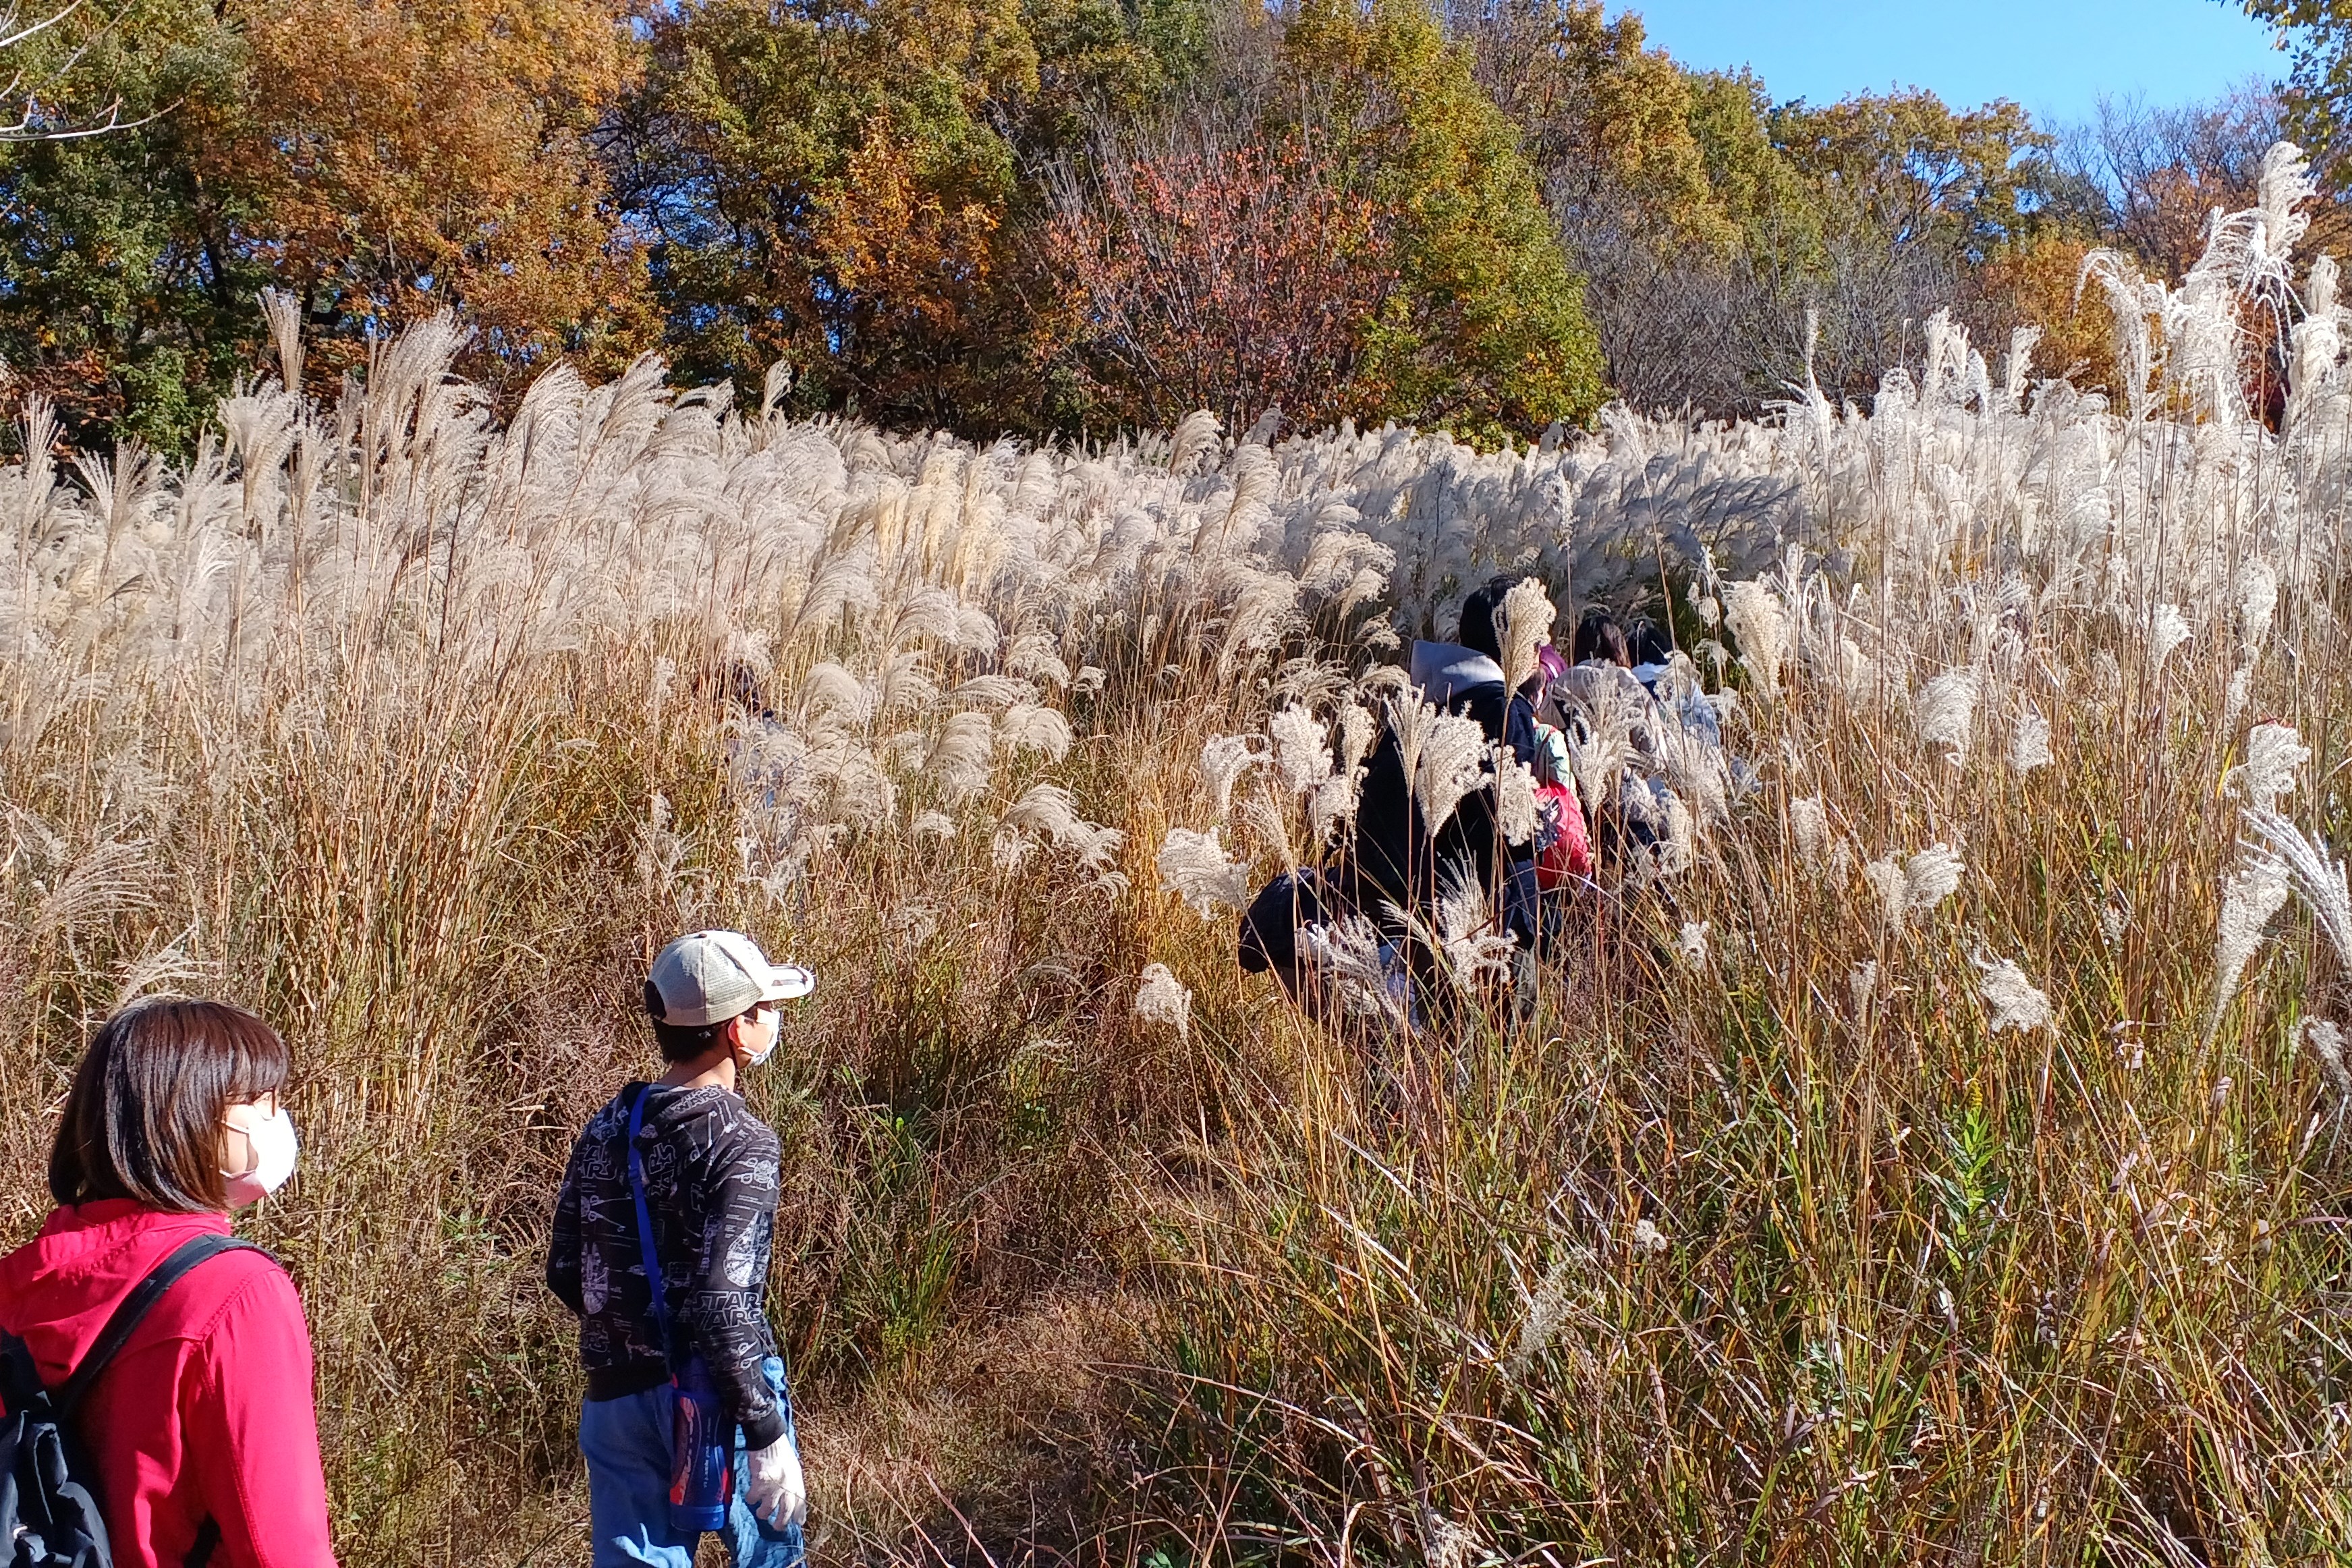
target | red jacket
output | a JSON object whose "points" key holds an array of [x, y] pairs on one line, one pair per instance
{"points": [[206, 1412]]}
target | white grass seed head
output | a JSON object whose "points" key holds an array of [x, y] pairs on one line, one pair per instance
{"points": [[1161, 998], [1195, 868], [1758, 623], [2274, 755], [2012, 1001], [2029, 746], [1808, 825], [1947, 711]]}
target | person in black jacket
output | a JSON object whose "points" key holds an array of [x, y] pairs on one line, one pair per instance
{"points": [[1393, 859]]}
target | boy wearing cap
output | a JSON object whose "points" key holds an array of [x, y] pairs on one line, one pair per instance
{"points": [[709, 1169]]}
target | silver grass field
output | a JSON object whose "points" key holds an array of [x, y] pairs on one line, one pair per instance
{"points": [[1934, 1150]]}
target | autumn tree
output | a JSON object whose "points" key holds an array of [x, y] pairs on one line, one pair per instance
{"points": [[120, 298], [1607, 120], [1864, 217], [2317, 38], [838, 184], [396, 157], [2149, 178], [1485, 331], [1613, 129], [1711, 224], [1206, 269], [378, 160], [1909, 165]]}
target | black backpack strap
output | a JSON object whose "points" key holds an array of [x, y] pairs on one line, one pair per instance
{"points": [[126, 1319]]}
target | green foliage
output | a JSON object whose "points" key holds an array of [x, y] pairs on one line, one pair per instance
{"points": [[839, 185], [118, 298], [1610, 122], [2317, 38], [281, 142], [1909, 165], [1487, 331], [1752, 178], [878, 192]]}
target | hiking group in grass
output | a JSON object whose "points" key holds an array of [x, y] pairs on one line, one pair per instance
{"points": [[156, 1373], [1416, 868]]}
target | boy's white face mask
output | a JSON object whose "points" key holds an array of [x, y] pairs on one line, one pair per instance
{"points": [[770, 1019], [274, 1148]]}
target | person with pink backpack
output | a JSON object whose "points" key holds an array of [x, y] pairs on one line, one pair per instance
{"points": [[1564, 840]]}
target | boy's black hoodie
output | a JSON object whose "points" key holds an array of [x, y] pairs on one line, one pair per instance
{"points": [[711, 1170]]}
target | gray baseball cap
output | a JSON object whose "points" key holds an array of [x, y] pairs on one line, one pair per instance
{"points": [[710, 977]]}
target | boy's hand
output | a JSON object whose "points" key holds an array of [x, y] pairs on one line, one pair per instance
{"points": [[772, 1484]]}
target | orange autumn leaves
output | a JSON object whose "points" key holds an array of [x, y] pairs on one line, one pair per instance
{"points": [[401, 157]]}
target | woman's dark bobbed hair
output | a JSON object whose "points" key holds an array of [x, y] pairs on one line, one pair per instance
{"points": [[143, 1118]]}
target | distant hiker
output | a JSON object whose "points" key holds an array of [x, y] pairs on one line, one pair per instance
{"points": [[1601, 640], [1393, 857], [1272, 931], [681, 1362], [1563, 841], [1303, 928], [198, 1431], [1672, 681], [1647, 643], [1636, 704], [1600, 687]]}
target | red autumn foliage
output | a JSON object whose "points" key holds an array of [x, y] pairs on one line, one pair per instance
{"points": [[1230, 278]]}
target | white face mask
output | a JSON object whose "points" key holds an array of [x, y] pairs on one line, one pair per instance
{"points": [[768, 1019], [274, 1148]]}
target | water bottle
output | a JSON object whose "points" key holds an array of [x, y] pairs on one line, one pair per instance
{"points": [[702, 1446]]}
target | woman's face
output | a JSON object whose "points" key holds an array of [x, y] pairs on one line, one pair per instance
{"points": [[237, 1156]]}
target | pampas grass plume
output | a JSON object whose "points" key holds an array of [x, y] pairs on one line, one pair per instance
{"points": [[2166, 630], [2012, 1001], [1223, 760], [1195, 868], [2273, 754], [1947, 712], [2251, 900], [2324, 1043], [1756, 621], [1302, 758], [1449, 762], [1527, 616], [2282, 850], [2029, 748], [1808, 825], [1161, 998], [1517, 813]]}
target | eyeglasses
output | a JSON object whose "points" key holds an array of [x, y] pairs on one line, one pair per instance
{"points": [[265, 1106]]}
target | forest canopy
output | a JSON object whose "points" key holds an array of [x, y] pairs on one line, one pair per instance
{"points": [[1051, 217]]}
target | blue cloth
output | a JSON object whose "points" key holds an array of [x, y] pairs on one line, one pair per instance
{"points": [[626, 1442]]}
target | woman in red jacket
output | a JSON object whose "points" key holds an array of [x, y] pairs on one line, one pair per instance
{"points": [[201, 1431]]}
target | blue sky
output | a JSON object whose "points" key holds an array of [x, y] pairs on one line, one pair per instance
{"points": [[2054, 57]]}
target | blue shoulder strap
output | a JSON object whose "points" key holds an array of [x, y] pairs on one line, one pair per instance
{"points": [[646, 1219]]}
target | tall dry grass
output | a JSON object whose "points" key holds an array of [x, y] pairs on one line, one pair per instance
{"points": [[1895, 1171]]}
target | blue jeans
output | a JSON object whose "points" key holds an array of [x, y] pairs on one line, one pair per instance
{"points": [[626, 1442]]}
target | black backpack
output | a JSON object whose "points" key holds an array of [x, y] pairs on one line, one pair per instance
{"points": [[49, 1514]]}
